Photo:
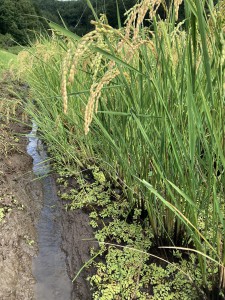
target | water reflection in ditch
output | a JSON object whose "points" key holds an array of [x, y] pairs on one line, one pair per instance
{"points": [[49, 267]]}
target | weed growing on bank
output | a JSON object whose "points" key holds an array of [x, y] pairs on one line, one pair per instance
{"points": [[128, 271], [146, 105]]}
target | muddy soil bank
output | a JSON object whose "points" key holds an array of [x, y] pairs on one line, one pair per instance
{"points": [[75, 234], [20, 203]]}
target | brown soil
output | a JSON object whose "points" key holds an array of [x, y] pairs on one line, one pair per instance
{"points": [[75, 233], [20, 199]]}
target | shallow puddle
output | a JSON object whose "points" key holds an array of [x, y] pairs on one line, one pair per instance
{"points": [[49, 267]]}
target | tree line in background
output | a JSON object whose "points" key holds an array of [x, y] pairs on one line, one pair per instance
{"points": [[77, 15], [19, 20]]}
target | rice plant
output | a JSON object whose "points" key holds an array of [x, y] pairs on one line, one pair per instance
{"points": [[150, 101]]}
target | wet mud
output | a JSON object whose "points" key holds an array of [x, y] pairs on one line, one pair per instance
{"points": [[76, 236], [22, 199]]}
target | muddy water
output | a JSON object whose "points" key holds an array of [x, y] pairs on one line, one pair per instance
{"points": [[49, 267]]}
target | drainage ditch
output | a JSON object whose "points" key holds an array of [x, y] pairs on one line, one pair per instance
{"points": [[49, 266]]}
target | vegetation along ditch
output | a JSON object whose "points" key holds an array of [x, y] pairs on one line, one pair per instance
{"points": [[132, 116]]}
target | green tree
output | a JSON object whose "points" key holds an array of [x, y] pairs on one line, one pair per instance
{"points": [[19, 18], [48, 9]]}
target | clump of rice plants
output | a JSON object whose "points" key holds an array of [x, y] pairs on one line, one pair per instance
{"points": [[147, 105]]}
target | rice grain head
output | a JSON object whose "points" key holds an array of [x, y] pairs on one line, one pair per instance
{"points": [[95, 93], [125, 42], [126, 48], [177, 4], [82, 48]]}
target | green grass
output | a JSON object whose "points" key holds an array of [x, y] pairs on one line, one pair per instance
{"points": [[6, 58], [16, 49]]}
